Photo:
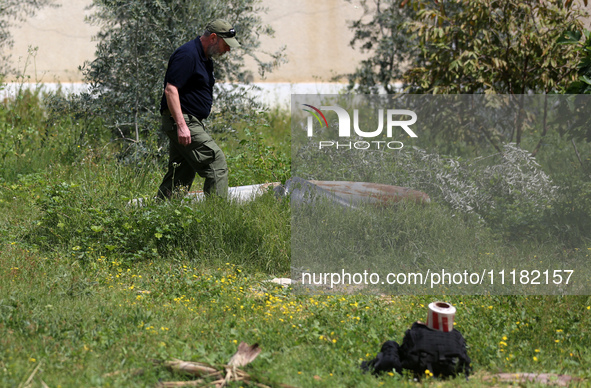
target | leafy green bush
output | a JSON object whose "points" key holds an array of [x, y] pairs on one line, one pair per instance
{"points": [[256, 162], [30, 139], [213, 231], [569, 214], [583, 84], [509, 190]]}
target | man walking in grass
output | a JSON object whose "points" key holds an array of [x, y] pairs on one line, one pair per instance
{"points": [[186, 102]]}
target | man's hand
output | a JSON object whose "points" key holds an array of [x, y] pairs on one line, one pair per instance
{"points": [[184, 135], [174, 105]]}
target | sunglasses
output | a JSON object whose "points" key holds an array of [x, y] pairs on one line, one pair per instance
{"points": [[229, 34]]}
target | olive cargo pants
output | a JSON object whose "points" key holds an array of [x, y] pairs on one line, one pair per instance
{"points": [[202, 156]]}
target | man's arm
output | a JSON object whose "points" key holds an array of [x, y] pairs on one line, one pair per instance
{"points": [[174, 105]]}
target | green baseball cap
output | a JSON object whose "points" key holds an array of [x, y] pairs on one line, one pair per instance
{"points": [[224, 30]]}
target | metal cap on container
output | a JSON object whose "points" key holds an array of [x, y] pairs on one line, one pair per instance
{"points": [[441, 316]]}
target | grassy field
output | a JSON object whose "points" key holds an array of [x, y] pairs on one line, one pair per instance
{"points": [[93, 291]]}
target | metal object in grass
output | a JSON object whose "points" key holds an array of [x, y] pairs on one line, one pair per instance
{"points": [[239, 193]]}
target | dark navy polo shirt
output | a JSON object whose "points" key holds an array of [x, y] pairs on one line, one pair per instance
{"points": [[192, 73]]}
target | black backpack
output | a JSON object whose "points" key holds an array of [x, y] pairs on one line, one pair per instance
{"points": [[386, 360], [442, 354]]}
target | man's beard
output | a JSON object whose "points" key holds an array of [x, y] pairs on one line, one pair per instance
{"points": [[214, 52]]}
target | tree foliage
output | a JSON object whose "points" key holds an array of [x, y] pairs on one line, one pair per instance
{"points": [[583, 84], [379, 32], [513, 47], [466, 46], [575, 110], [493, 46], [136, 41]]}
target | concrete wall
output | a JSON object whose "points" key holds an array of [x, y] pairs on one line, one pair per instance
{"points": [[316, 37], [63, 39], [315, 33]]}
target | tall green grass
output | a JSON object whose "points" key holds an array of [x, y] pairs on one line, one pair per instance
{"points": [[104, 324], [93, 220]]}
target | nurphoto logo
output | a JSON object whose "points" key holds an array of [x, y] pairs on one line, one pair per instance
{"points": [[392, 119]]}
